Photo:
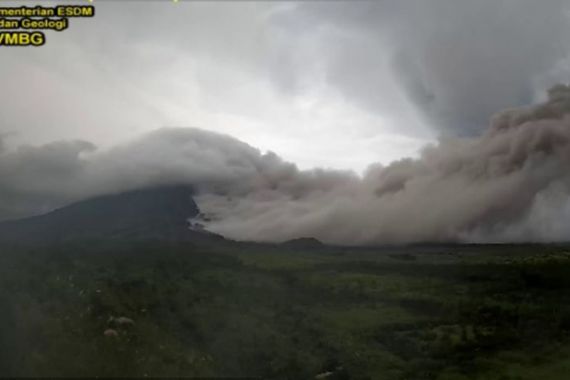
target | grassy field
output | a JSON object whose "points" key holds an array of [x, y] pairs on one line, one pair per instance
{"points": [[449, 312]]}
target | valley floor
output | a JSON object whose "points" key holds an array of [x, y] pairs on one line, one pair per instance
{"points": [[442, 313]]}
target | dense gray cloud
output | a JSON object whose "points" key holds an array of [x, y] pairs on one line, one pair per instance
{"points": [[36, 179], [510, 184], [221, 66], [279, 74], [458, 61], [329, 85]]}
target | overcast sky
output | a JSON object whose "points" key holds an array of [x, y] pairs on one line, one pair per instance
{"points": [[322, 84]]}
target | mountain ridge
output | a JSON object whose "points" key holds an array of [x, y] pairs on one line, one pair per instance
{"points": [[154, 212]]}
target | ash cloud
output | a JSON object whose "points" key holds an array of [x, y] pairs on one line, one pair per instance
{"points": [[510, 184], [458, 62]]}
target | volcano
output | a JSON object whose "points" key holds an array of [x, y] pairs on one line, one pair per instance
{"points": [[153, 213]]}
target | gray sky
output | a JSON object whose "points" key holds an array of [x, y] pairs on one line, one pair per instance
{"points": [[329, 84], [107, 106]]}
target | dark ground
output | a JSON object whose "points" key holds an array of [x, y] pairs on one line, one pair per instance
{"points": [[290, 312]]}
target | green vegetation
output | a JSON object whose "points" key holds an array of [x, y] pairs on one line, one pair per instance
{"points": [[479, 312]]}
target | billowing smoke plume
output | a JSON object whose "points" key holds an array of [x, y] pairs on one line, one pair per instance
{"points": [[458, 62], [510, 184]]}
